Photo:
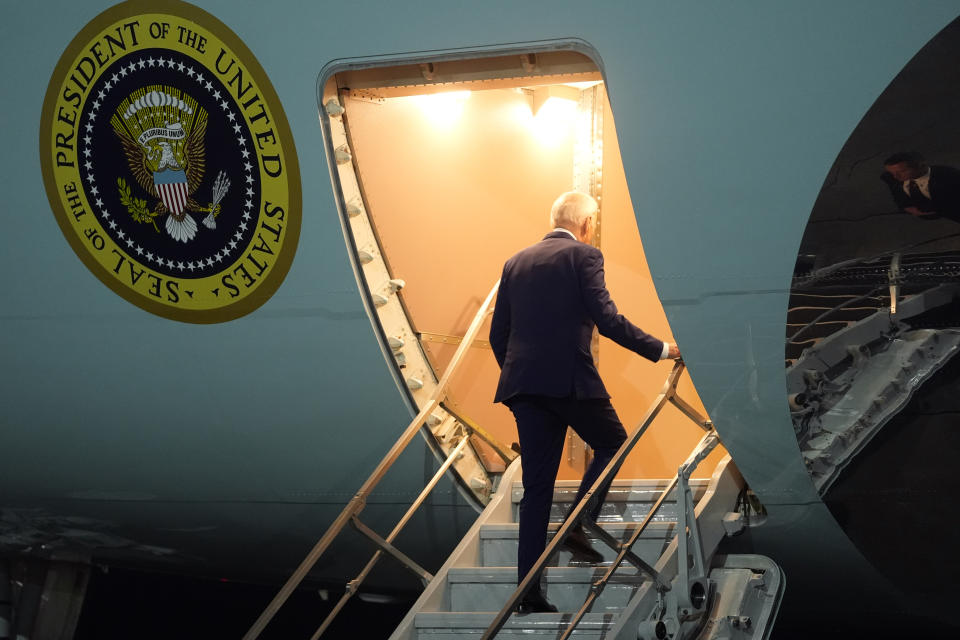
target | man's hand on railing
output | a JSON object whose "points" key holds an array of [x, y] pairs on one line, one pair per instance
{"points": [[672, 350]]}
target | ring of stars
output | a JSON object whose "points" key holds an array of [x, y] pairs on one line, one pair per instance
{"points": [[204, 84]]}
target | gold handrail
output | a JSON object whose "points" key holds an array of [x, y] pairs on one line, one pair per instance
{"points": [[668, 394], [679, 482], [358, 502], [506, 453]]}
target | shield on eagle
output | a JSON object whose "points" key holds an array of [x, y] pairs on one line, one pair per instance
{"points": [[171, 186]]}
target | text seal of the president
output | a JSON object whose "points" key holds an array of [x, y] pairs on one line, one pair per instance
{"points": [[169, 163]]}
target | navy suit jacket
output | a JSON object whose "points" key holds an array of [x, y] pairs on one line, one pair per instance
{"points": [[551, 296]]}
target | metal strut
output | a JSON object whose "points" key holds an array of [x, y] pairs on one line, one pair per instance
{"points": [[893, 279], [354, 584], [347, 516], [692, 586], [404, 559], [686, 520]]}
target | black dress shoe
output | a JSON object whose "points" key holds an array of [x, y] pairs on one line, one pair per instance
{"points": [[534, 602], [578, 545]]}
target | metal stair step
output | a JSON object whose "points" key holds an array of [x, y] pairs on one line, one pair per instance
{"points": [[457, 626], [637, 490], [627, 500], [488, 588], [499, 542]]}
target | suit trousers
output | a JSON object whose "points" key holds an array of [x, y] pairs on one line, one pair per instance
{"points": [[542, 425]]}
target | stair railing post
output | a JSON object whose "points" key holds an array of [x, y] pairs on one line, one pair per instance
{"points": [[686, 514], [700, 452], [354, 584], [588, 501], [356, 504]]}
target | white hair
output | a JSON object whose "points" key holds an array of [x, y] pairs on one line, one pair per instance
{"points": [[571, 209]]}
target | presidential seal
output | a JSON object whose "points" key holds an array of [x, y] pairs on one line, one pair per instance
{"points": [[169, 164]]}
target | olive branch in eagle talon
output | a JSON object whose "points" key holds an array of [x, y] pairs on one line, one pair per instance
{"points": [[136, 207]]}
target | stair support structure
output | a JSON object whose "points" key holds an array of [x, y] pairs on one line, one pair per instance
{"points": [[350, 513]]}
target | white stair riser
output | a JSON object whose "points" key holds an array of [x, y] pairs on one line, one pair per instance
{"points": [[519, 634], [502, 552], [612, 511], [566, 596], [460, 626]]}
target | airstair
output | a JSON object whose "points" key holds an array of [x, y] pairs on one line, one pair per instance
{"points": [[661, 577], [741, 592]]}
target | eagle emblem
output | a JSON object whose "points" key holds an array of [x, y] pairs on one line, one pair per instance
{"points": [[162, 132]]}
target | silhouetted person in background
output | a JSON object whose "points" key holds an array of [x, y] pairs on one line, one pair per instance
{"points": [[922, 190], [552, 294]]}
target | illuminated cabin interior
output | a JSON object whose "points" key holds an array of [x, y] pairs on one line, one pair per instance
{"points": [[456, 164]]}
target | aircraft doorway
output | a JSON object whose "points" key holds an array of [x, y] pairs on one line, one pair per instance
{"points": [[455, 164]]}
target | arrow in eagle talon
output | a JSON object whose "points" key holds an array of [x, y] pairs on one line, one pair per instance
{"points": [[220, 187]]}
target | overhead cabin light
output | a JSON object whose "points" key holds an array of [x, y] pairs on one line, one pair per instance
{"points": [[551, 114], [334, 108], [433, 420], [342, 154], [396, 284], [414, 383], [379, 300], [442, 109], [395, 343], [552, 94], [401, 358], [353, 209], [365, 257], [583, 86]]}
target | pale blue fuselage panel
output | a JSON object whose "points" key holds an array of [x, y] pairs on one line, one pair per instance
{"points": [[729, 117]]}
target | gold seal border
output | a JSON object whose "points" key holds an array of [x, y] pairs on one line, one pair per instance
{"points": [[278, 273]]}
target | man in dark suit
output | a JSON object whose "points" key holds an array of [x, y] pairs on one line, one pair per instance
{"points": [[551, 296], [922, 190]]}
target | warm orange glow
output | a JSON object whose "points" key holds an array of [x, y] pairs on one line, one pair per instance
{"points": [[582, 85], [553, 122], [451, 205], [442, 109]]}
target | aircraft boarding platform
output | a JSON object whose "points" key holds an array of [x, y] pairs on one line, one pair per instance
{"points": [[639, 590], [480, 575]]}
